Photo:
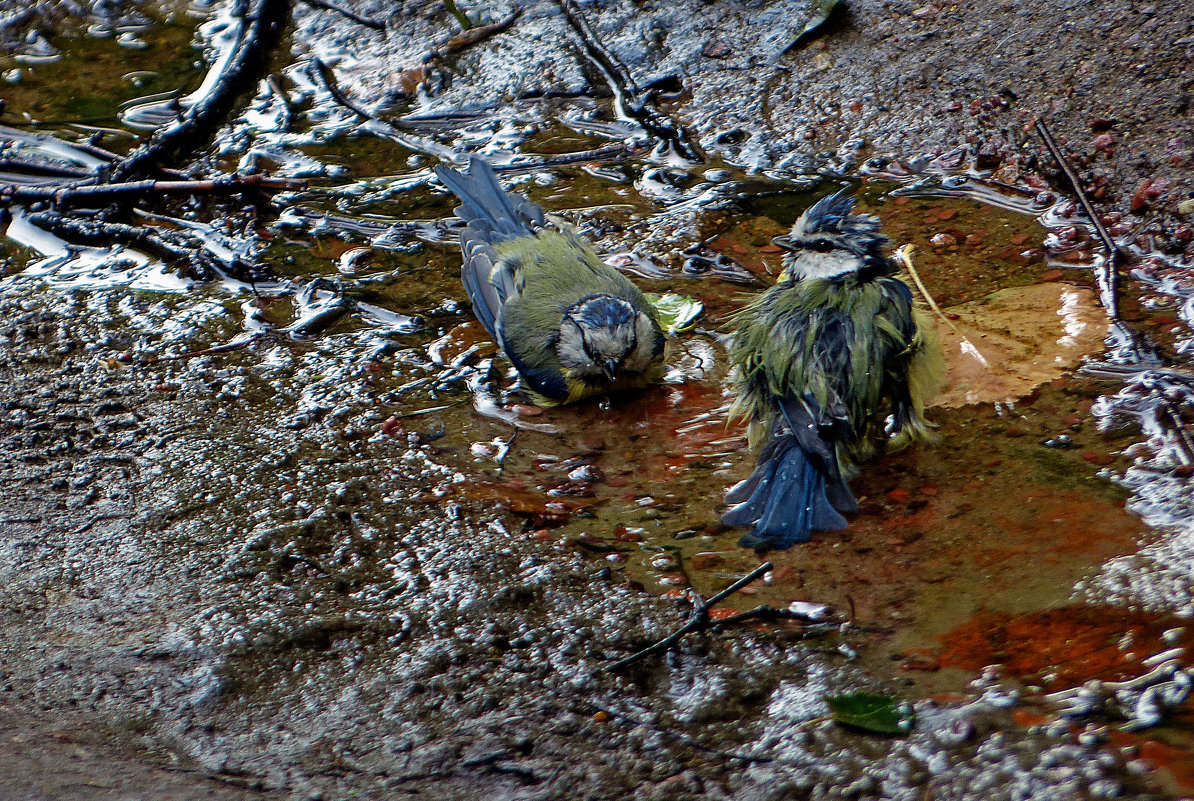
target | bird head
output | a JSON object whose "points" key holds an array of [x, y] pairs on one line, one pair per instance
{"points": [[602, 336], [828, 241]]}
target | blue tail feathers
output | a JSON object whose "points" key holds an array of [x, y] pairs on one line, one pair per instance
{"points": [[502, 215], [785, 498]]}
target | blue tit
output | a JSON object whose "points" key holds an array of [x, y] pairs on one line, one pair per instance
{"points": [[814, 358], [572, 325]]}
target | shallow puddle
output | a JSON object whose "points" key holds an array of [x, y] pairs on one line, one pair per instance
{"points": [[962, 555]]}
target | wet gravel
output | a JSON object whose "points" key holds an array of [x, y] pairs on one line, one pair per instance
{"points": [[306, 610]]}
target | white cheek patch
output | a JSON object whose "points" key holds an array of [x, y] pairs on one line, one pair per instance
{"points": [[643, 355], [810, 264], [571, 347]]}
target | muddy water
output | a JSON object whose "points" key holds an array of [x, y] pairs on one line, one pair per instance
{"points": [[958, 554]]}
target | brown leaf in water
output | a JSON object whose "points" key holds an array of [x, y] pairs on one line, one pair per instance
{"points": [[1027, 336]]}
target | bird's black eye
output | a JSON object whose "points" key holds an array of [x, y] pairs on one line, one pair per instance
{"points": [[821, 245]]}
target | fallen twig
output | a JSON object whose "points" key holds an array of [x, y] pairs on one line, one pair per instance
{"points": [[395, 130], [324, 72], [171, 245], [626, 91], [769, 613], [472, 36], [1185, 446], [101, 194], [504, 451], [327, 5], [698, 620], [43, 169], [530, 163], [1109, 279], [225, 348]]}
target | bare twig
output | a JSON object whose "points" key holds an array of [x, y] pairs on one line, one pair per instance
{"points": [[430, 410], [764, 612], [101, 194], [225, 348], [329, 82], [1110, 278], [504, 451], [395, 130], [327, 5], [1185, 446], [40, 168], [531, 163], [626, 92], [698, 620], [473, 36], [175, 245], [904, 254]]}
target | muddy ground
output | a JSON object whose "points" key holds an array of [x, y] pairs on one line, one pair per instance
{"points": [[227, 576]]}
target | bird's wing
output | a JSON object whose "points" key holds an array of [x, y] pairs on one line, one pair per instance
{"points": [[475, 274], [546, 380]]}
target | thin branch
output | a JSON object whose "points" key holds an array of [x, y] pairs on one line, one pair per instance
{"points": [[396, 130], [626, 92], [904, 254], [1185, 446], [327, 5], [40, 168], [473, 36], [329, 82], [101, 194], [430, 410], [697, 621], [1110, 277], [504, 451], [530, 163], [769, 613], [225, 348]]}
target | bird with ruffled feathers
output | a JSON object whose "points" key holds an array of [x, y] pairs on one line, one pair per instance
{"points": [[814, 359]]}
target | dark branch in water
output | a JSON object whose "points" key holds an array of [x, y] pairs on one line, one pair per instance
{"points": [[699, 619], [40, 168], [100, 194], [532, 163], [396, 130], [1109, 279], [265, 21], [329, 82], [171, 245], [626, 91], [327, 5]]}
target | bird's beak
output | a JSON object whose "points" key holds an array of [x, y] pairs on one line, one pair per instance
{"points": [[784, 242], [610, 368]]}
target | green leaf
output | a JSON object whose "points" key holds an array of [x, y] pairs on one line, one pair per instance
{"points": [[676, 313], [881, 714]]}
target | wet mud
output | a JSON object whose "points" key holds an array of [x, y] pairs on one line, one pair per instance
{"points": [[295, 533]]}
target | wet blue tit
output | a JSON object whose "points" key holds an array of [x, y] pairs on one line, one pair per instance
{"points": [[572, 325], [814, 358]]}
